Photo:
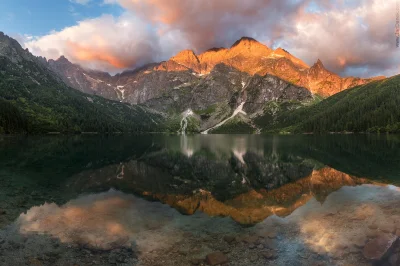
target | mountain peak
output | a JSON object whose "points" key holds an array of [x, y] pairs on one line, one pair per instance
{"points": [[244, 40], [249, 47], [185, 56], [62, 59], [319, 63]]}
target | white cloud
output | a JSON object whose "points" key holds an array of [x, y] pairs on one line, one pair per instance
{"points": [[81, 2]]}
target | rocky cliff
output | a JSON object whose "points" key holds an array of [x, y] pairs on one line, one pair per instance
{"points": [[246, 55]]}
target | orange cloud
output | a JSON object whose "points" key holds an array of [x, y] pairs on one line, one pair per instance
{"points": [[83, 53], [342, 61]]}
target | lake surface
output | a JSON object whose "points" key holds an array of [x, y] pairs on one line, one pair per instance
{"points": [[174, 200]]}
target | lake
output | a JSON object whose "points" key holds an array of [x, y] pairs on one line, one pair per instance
{"points": [[200, 199]]}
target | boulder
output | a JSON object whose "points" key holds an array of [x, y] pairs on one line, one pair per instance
{"points": [[216, 258], [270, 254], [229, 239], [377, 248]]}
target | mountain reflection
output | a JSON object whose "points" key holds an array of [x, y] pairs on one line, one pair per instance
{"points": [[323, 197], [242, 203], [248, 177]]}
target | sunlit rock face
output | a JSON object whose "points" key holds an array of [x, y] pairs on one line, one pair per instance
{"points": [[188, 70]]}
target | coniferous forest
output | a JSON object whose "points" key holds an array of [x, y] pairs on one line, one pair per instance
{"points": [[33, 100], [373, 107]]}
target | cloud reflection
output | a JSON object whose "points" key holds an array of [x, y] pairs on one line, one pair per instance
{"points": [[96, 221]]}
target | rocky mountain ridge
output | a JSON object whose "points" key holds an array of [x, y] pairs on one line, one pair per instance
{"points": [[219, 91], [246, 55]]}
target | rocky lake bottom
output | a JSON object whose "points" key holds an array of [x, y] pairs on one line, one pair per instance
{"points": [[109, 215]]}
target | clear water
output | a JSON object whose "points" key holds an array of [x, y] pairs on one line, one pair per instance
{"points": [[173, 200]]}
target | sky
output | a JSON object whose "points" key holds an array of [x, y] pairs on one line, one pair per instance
{"points": [[351, 37]]}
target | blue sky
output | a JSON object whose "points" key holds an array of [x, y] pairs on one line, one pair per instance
{"points": [[39, 17]]}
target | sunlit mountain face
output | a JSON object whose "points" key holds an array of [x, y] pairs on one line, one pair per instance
{"points": [[246, 57], [142, 199]]}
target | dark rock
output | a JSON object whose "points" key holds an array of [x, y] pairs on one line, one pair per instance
{"points": [[2, 212], [216, 258], [272, 234], [229, 239], [377, 248], [251, 239], [394, 260], [271, 244], [270, 254], [252, 246]]}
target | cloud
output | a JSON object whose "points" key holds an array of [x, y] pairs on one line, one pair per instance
{"points": [[206, 24], [350, 37], [357, 39], [105, 43], [81, 2]]}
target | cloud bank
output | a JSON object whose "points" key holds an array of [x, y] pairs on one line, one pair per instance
{"points": [[350, 37]]}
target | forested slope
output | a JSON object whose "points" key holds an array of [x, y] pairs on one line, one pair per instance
{"points": [[373, 107], [34, 100]]}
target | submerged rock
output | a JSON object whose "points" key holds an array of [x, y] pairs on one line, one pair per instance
{"points": [[270, 254], [216, 258], [377, 248], [229, 239]]}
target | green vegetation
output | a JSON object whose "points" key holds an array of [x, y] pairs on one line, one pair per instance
{"points": [[272, 111], [373, 107], [208, 111], [33, 100], [234, 125], [173, 124]]}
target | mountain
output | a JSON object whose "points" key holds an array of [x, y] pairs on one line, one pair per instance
{"points": [[246, 55], [247, 88], [219, 90], [373, 107], [34, 99]]}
